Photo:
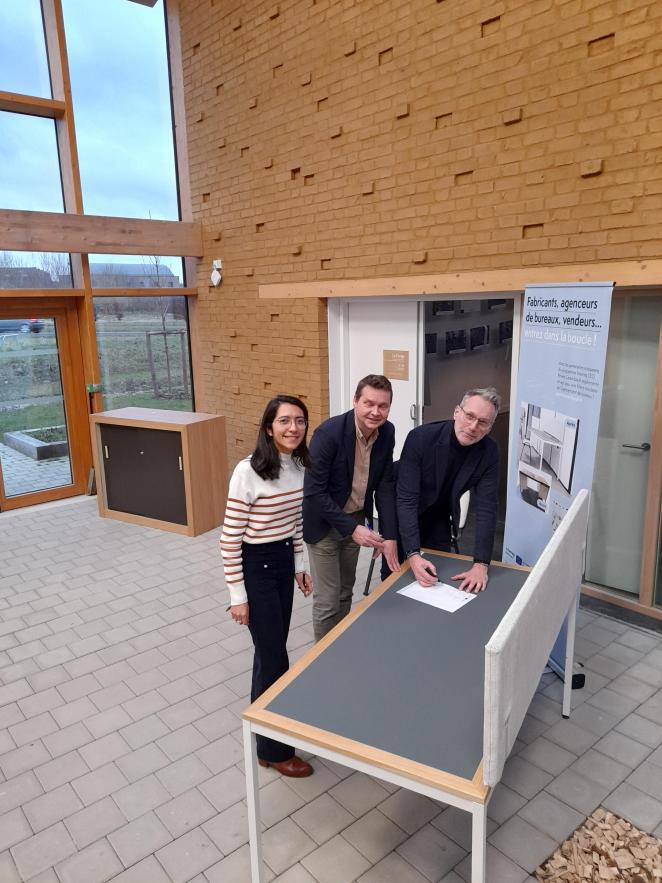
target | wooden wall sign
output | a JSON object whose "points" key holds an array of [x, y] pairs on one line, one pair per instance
{"points": [[396, 364]]}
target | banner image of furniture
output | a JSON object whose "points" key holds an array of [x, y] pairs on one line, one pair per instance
{"points": [[425, 699]]}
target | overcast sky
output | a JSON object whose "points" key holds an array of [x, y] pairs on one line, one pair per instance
{"points": [[119, 78]]}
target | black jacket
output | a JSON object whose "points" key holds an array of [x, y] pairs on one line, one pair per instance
{"points": [[421, 472], [328, 483]]}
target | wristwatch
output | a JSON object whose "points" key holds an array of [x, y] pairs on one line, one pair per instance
{"points": [[413, 552]]}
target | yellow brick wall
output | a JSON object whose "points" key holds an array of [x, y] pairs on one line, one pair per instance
{"points": [[348, 139]]}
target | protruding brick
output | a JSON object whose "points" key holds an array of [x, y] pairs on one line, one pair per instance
{"points": [[622, 206], [591, 167], [514, 115]]}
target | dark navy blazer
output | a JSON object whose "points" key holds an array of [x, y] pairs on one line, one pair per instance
{"points": [[421, 471], [327, 483]]}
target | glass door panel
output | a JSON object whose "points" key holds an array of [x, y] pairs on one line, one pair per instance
{"points": [[34, 442], [468, 344], [617, 523], [45, 446]]}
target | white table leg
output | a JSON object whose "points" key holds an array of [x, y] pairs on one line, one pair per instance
{"points": [[569, 657], [478, 843], [253, 800]]}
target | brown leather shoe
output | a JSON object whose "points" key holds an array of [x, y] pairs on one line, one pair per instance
{"points": [[295, 767]]}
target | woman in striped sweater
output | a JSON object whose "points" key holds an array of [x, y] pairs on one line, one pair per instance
{"points": [[262, 549]]}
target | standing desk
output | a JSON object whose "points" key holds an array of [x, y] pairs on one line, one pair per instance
{"points": [[547, 439], [428, 700]]}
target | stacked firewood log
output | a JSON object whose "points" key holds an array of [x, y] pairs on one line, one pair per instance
{"points": [[605, 848]]}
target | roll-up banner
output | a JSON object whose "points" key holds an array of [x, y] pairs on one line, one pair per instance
{"points": [[563, 345]]}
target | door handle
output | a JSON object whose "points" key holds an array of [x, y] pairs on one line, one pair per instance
{"points": [[105, 450], [413, 411], [644, 446]]}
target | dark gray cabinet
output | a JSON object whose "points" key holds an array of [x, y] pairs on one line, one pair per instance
{"points": [[144, 472], [166, 469]]}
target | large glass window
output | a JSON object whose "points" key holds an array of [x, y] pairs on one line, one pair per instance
{"points": [[143, 346], [28, 269], [29, 166], [136, 271], [121, 93], [23, 64]]}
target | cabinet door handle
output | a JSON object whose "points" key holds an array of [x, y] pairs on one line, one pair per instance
{"points": [[180, 464], [105, 451]]}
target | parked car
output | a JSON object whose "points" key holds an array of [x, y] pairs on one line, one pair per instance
{"points": [[21, 326]]}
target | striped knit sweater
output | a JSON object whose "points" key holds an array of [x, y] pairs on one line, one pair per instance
{"points": [[260, 511]]}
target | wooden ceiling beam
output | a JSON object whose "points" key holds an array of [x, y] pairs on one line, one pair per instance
{"points": [[95, 234], [13, 102]]}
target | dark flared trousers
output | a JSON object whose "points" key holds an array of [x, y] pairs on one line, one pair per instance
{"points": [[269, 580]]}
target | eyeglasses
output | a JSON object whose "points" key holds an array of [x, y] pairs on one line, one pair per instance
{"points": [[472, 418], [299, 422]]}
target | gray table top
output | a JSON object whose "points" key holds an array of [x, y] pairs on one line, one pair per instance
{"points": [[407, 678]]}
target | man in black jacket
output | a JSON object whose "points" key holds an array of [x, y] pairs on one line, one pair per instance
{"points": [[352, 463], [439, 462]]}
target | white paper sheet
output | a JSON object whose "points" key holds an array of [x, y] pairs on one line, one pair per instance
{"points": [[441, 595]]}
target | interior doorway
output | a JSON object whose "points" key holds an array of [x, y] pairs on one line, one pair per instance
{"points": [[45, 451], [448, 346]]}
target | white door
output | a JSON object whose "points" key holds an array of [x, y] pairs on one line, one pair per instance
{"points": [[379, 334]]}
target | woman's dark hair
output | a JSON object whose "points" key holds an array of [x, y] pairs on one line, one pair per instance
{"points": [[265, 459]]}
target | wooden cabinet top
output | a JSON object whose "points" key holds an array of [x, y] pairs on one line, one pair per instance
{"points": [[152, 416]]}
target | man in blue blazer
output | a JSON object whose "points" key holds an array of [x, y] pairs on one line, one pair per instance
{"points": [[439, 462], [352, 465]]}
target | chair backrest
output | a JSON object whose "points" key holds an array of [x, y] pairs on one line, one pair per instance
{"points": [[517, 652], [465, 499]]}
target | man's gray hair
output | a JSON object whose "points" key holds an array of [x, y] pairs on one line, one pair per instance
{"points": [[488, 393]]}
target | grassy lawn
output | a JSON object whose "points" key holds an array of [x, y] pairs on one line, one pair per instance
{"points": [[31, 417]]}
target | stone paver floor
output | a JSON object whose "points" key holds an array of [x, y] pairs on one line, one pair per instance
{"points": [[122, 681], [22, 475]]}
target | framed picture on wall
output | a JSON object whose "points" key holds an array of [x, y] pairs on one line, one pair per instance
{"points": [[456, 342], [430, 343], [505, 331], [479, 337]]}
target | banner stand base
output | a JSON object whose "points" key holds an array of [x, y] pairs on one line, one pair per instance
{"points": [[578, 677]]}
